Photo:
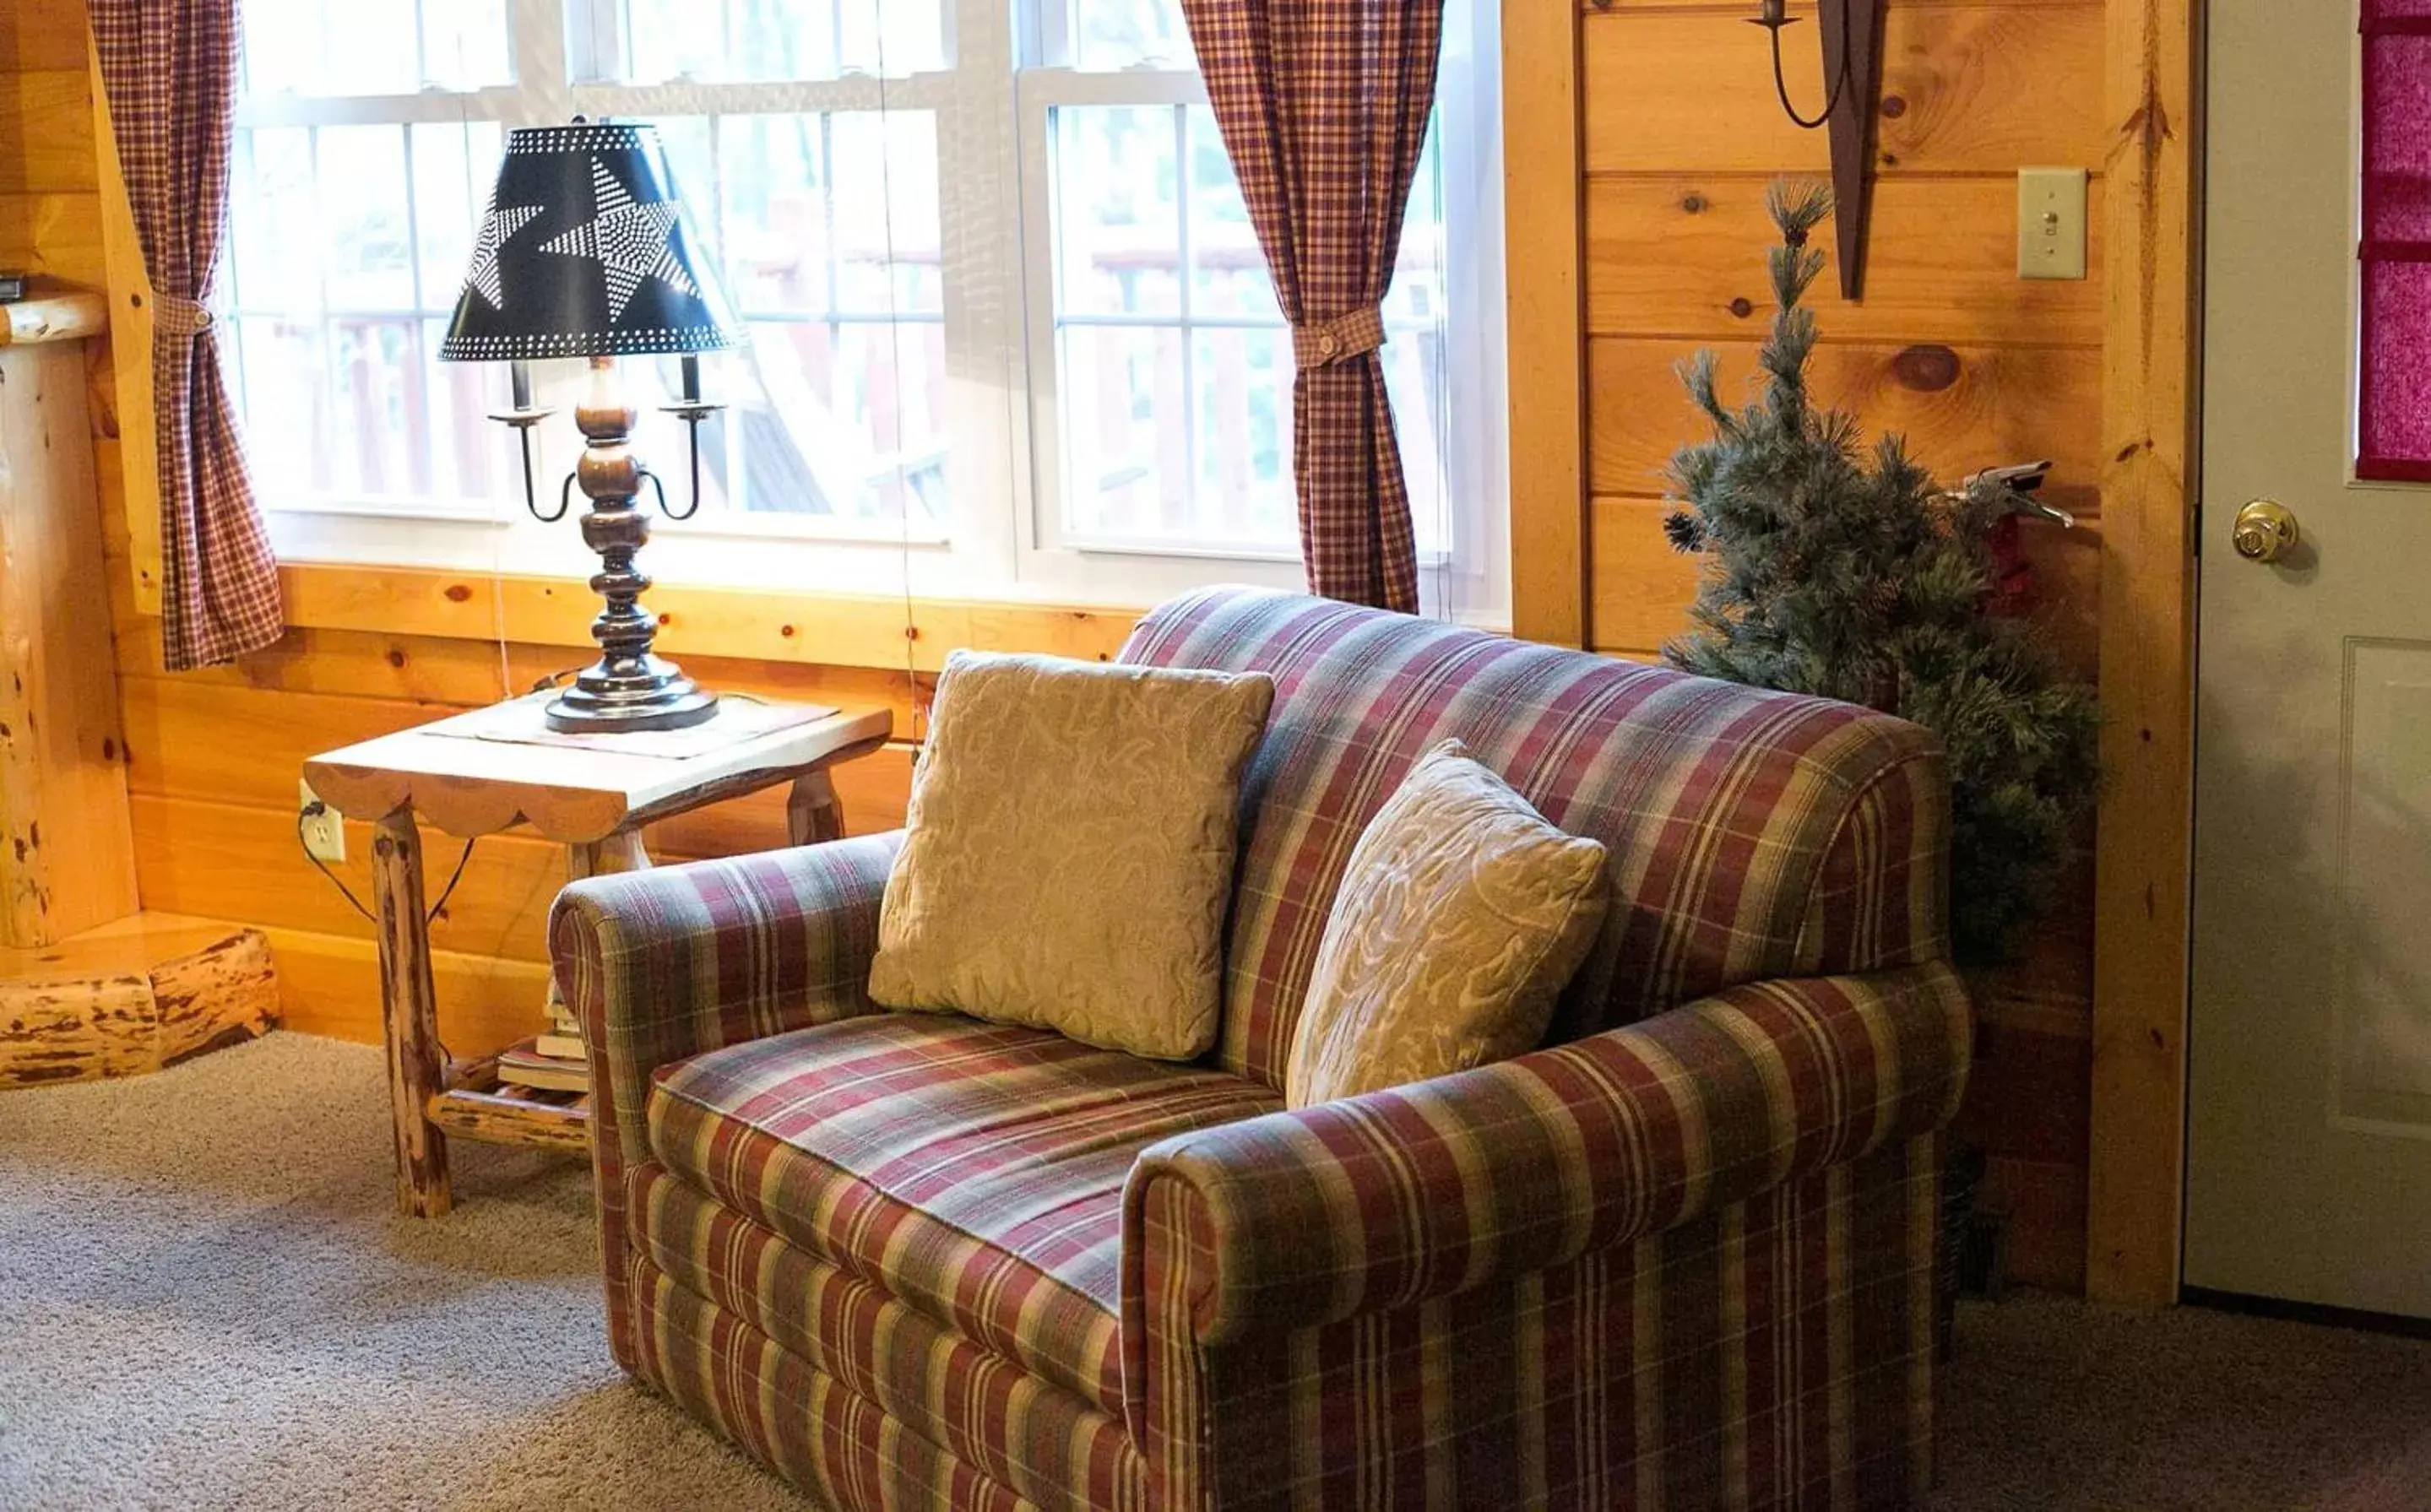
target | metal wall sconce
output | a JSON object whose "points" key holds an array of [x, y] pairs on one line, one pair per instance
{"points": [[1853, 76]]}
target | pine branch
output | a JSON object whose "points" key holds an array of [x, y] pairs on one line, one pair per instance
{"points": [[1841, 570]]}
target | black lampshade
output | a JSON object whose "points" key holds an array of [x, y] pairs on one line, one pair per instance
{"points": [[583, 252]]}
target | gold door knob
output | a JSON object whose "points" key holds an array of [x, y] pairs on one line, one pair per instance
{"points": [[2264, 530]]}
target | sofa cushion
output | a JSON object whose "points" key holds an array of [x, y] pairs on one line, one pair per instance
{"points": [[973, 1171], [1461, 918], [1071, 850]]}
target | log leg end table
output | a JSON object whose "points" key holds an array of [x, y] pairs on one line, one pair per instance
{"points": [[481, 772]]}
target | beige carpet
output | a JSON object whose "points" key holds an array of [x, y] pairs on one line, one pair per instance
{"points": [[205, 1302]]}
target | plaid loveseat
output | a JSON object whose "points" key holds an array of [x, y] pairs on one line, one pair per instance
{"points": [[1683, 1260]]}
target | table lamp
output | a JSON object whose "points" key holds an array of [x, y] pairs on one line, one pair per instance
{"points": [[583, 253]]}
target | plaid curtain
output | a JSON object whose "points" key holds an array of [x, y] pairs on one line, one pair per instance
{"points": [[1324, 105], [170, 69]]}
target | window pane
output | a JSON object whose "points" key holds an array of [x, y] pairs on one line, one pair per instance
{"points": [[1109, 34], [1227, 272], [285, 440], [1415, 379], [889, 240], [828, 232], [464, 43], [731, 40], [2393, 429], [366, 255], [275, 222], [1117, 217], [380, 426], [453, 170], [347, 251], [471, 457], [1416, 297], [1126, 450], [1243, 385], [2396, 421], [841, 420], [332, 47]]}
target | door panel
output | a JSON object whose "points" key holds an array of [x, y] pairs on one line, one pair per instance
{"points": [[2309, 1046]]}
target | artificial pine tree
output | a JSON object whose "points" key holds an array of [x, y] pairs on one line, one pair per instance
{"points": [[1856, 578]]}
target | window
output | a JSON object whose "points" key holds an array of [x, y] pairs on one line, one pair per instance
{"points": [[1010, 331], [2394, 423]]}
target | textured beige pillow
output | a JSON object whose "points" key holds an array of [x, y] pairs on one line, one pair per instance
{"points": [[1462, 916], [1070, 851]]}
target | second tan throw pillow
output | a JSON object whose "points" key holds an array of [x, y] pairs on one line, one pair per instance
{"points": [[1462, 916], [1070, 851]]}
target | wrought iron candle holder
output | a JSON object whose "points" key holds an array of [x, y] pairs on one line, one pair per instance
{"points": [[1852, 71]]}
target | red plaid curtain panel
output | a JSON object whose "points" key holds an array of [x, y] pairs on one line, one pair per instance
{"points": [[1324, 105], [170, 69]]}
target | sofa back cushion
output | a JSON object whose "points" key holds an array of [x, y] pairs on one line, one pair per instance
{"points": [[1752, 834]]}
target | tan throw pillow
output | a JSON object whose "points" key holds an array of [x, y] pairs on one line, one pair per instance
{"points": [[1070, 851], [1462, 916]]}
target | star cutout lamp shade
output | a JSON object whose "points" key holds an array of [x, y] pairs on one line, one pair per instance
{"points": [[584, 253]]}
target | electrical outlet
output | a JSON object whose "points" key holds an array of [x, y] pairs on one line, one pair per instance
{"points": [[325, 828], [2050, 222]]}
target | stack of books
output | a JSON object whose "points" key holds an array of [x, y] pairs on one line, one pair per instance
{"points": [[553, 1061]]}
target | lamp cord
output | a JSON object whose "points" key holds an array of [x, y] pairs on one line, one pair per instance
{"points": [[314, 810], [1832, 96]]}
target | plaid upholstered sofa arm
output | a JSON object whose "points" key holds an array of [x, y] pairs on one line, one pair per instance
{"points": [[671, 963], [1300, 1219]]}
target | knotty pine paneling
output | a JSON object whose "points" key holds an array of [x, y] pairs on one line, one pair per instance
{"points": [[214, 767], [41, 34], [53, 233], [329, 984], [435, 670], [1961, 409], [46, 127], [1971, 89], [1685, 255], [1643, 588]]}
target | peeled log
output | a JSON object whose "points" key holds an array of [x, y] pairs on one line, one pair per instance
{"points": [[131, 998]]}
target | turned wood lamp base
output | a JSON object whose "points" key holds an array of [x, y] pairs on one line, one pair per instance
{"points": [[651, 695], [628, 689]]}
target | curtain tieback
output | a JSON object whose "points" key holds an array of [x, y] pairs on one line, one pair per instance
{"points": [[176, 315], [1322, 343]]}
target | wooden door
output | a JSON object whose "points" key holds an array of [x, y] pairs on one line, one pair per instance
{"points": [[2309, 1093]]}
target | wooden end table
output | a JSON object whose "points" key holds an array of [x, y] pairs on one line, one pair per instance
{"points": [[483, 772]]}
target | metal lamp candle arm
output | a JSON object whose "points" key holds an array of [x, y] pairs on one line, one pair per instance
{"points": [[691, 409]]}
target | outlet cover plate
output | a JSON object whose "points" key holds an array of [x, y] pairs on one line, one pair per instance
{"points": [[2050, 222], [324, 832]]}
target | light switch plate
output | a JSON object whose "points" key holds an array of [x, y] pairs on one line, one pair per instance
{"points": [[2050, 222]]}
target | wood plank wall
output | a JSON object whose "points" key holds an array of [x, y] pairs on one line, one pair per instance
{"points": [[1680, 133]]}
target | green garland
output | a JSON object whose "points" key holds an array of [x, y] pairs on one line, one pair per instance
{"points": [[1855, 577]]}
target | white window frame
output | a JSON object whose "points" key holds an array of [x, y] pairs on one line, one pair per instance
{"points": [[1005, 539]]}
